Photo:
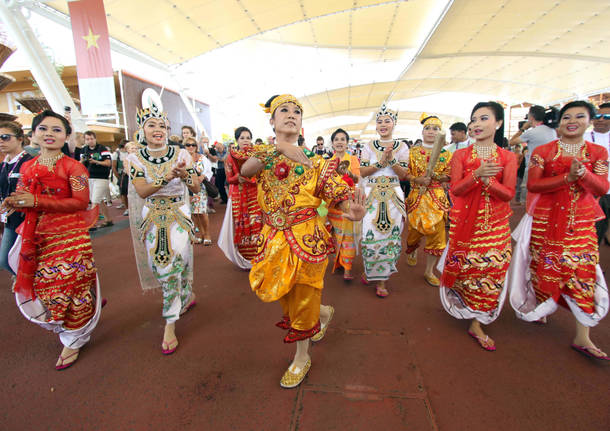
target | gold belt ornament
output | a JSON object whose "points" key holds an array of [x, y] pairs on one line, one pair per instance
{"points": [[282, 221], [383, 192], [163, 212]]}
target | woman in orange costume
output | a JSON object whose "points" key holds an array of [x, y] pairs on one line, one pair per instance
{"points": [[344, 230], [557, 238], [56, 284], [483, 178], [294, 244], [243, 219]]}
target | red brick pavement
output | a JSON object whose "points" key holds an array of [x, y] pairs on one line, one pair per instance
{"points": [[397, 363]]}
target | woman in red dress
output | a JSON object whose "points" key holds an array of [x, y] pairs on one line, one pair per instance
{"points": [[483, 178], [559, 233], [56, 284], [243, 220]]}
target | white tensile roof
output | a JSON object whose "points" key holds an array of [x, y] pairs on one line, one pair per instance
{"points": [[343, 58]]}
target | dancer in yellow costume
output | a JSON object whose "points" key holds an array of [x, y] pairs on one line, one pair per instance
{"points": [[427, 203], [292, 251]]}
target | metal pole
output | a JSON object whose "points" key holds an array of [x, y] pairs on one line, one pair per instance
{"points": [[41, 67], [190, 107]]}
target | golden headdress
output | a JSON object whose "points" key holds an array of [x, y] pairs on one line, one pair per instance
{"points": [[143, 115], [383, 111], [279, 100], [426, 119]]}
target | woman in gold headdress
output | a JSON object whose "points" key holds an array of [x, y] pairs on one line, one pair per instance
{"points": [[292, 251], [383, 164], [161, 177], [427, 203]]}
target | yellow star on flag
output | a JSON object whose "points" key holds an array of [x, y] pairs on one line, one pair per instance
{"points": [[91, 39]]}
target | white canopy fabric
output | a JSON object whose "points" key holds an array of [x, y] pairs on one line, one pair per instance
{"points": [[343, 58]]}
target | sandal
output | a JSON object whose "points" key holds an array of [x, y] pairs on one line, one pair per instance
{"points": [[106, 224], [381, 291], [198, 241], [169, 350], [483, 342], [589, 352], [364, 280], [292, 379], [188, 307], [348, 277], [323, 328], [207, 242], [432, 280], [65, 365]]}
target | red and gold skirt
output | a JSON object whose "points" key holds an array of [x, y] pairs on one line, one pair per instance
{"points": [[476, 270], [65, 275]]}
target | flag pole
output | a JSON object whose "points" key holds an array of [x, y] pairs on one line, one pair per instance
{"points": [[42, 70]]}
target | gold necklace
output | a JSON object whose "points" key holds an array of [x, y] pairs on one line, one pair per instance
{"points": [[49, 162], [571, 149], [484, 151]]}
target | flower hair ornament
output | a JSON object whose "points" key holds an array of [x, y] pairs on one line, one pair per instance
{"points": [[384, 111], [143, 115]]}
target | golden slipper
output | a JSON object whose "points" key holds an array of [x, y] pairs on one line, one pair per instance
{"points": [[432, 280], [411, 260], [292, 380], [324, 327]]}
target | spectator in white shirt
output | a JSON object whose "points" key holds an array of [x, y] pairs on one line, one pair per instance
{"points": [[538, 130], [459, 139], [601, 127]]}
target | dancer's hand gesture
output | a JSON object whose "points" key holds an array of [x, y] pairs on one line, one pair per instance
{"points": [[6, 208], [179, 171], [295, 154], [577, 170], [387, 156], [20, 199], [355, 206], [488, 169], [422, 181]]}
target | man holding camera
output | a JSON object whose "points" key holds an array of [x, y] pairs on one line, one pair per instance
{"points": [[97, 160]]}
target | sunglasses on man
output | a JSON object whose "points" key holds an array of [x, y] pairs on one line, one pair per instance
{"points": [[600, 116], [5, 137]]}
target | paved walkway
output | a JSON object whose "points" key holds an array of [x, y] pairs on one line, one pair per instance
{"points": [[397, 363]]}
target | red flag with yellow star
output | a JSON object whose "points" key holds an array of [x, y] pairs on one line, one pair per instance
{"points": [[93, 63]]}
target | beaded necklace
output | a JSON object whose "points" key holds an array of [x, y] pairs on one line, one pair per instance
{"points": [[571, 149], [484, 151], [50, 162]]}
